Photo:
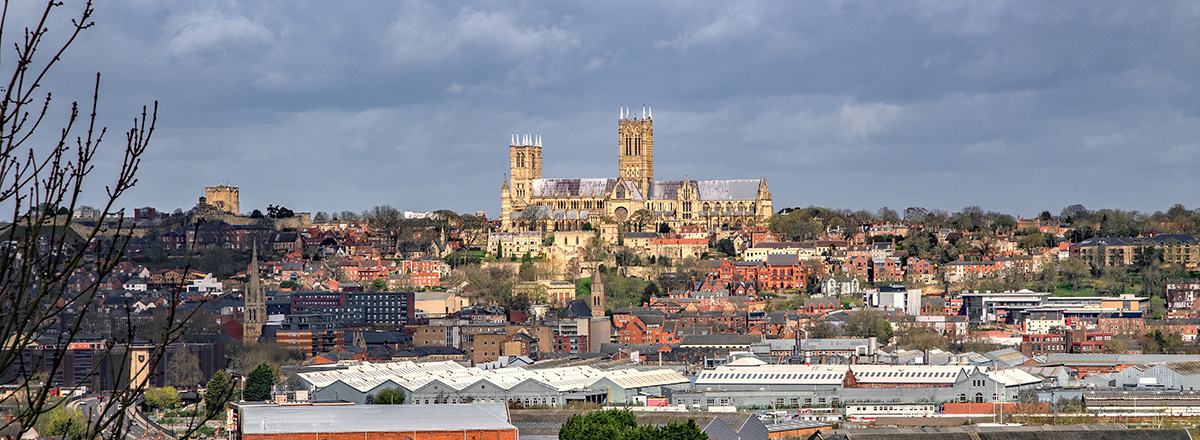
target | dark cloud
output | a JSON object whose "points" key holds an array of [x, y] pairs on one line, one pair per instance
{"points": [[1017, 107]]}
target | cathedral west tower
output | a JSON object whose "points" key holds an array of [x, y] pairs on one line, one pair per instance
{"points": [[524, 165], [635, 148]]}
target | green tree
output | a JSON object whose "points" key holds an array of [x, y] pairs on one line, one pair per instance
{"points": [[162, 398], [615, 424], [63, 422], [183, 369], [650, 291], [378, 285], [259, 383], [866, 323], [289, 284], [725, 246], [220, 392], [822, 330], [320, 217], [920, 338], [1074, 270], [386, 396], [597, 425], [1033, 241]]}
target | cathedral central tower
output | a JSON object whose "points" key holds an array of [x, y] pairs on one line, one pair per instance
{"points": [[635, 150]]}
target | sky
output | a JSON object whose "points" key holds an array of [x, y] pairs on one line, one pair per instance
{"points": [[1017, 107]]}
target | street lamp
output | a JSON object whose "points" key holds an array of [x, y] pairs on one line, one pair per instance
{"points": [[774, 416]]}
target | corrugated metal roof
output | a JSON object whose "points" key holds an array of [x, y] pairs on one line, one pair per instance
{"points": [[1116, 359], [908, 374], [631, 378], [408, 375], [374, 418], [773, 374]]}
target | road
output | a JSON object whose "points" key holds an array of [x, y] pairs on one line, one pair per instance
{"points": [[91, 407]]}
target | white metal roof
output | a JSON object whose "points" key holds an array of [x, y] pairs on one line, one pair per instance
{"points": [[908, 374], [1013, 377], [773, 374], [410, 375], [373, 418]]}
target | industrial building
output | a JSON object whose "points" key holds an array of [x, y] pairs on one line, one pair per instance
{"points": [[449, 382], [750, 382], [479, 421]]}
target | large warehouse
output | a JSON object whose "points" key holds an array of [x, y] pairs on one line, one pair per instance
{"points": [[482, 421], [749, 382], [449, 382]]}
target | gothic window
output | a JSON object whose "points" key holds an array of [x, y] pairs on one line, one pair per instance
{"points": [[620, 191]]}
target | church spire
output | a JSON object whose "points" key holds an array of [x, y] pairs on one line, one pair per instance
{"points": [[255, 314]]}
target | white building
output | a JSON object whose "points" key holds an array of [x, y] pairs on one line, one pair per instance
{"points": [[907, 301]]}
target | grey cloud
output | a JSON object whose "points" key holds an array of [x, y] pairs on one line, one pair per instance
{"points": [[323, 106]]}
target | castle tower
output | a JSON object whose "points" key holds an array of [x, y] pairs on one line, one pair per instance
{"points": [[635, 149], [597, 296], [525, 165], [223, 197], [256, 303]]}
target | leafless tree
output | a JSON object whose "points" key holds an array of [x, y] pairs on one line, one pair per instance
{"points": [[43, 172]]}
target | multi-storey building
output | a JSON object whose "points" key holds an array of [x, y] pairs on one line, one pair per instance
{"points": [[394, 308]]}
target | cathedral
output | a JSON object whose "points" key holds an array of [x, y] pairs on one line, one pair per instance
{"points": [[568, 204]]}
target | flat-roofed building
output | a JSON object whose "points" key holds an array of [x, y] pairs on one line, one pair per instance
{"points": [[479, 421], [751, 382]]}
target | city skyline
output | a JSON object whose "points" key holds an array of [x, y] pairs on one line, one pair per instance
{"points": [[1013, 107]]}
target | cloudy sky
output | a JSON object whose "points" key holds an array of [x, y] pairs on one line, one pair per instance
{"points": [[326, 106]]}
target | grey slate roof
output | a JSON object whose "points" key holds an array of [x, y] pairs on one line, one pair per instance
{"points": [[743, 189], [373, 418], [720, 339], [573, 187], [783, 259]]}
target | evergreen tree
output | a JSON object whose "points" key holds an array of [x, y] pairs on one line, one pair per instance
{"points": [[259, 383], [386, 396], [220, 391]]}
